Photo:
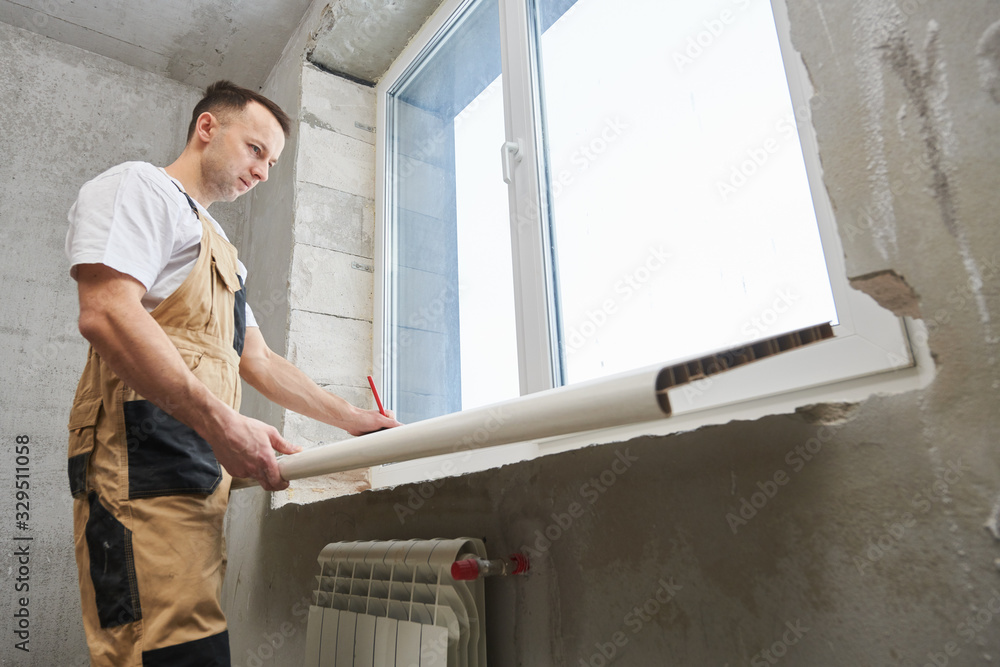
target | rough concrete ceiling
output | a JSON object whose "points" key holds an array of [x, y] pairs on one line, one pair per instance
{"points": [[361, 38], [192, 41]]}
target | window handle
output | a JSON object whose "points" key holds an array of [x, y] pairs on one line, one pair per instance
{"points": [[510, 152]]}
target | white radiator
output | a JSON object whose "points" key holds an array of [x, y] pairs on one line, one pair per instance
{"points": [[395, 604]]}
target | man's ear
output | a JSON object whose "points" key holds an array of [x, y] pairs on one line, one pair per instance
{"points": [[206, 126]]}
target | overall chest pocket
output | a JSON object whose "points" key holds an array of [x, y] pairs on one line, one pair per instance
{"points": [[228, 297]]}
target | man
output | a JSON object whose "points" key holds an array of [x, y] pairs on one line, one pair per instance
{"points": [[156, 409]]}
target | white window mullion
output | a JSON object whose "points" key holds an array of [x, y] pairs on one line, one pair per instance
{"points": [[537, 335]]}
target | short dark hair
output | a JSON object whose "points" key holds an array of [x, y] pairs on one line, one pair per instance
{"points": [[227, 96]]}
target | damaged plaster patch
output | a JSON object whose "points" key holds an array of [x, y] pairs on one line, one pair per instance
{"points": [[322, 487], [326, 21], [925, 79], [829, 35], [993, 523], [315, 121], [890, 291], [901, 117], [345, 35], [827, 413], [988, 52], [360, 39], [927, 88], [871, 21]]}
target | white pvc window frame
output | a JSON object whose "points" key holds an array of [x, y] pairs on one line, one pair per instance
{"points": [[870, 353]]}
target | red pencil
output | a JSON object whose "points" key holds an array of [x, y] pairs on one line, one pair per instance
{"points": [[371, 383]]}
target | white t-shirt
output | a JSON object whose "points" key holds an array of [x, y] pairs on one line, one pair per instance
{"points": [[133, 219]]}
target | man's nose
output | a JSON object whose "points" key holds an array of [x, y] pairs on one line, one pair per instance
{"points": [[260, 172]]}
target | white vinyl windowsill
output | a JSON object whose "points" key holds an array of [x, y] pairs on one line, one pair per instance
{"points": [[840, 371]]}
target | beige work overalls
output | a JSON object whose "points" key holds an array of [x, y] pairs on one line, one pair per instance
{"points": [[149, 494]]}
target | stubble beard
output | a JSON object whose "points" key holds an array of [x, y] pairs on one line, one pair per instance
{"points": [[217, 177]]}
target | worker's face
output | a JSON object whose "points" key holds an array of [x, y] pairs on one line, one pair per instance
{"points": [[241, 151]]}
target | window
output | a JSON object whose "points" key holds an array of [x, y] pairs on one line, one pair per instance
{"points": [[569, 189]]}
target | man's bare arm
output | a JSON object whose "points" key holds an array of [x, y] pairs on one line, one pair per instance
{"points": [[130, 341], [280, 381]]}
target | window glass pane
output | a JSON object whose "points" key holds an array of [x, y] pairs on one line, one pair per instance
{"points": [[452, 330], [681, 214]]}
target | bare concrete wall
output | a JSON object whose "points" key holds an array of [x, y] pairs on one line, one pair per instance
{"points": [[67, 115], [868, 540]]}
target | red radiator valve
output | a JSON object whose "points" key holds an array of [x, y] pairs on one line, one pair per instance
{"points": [[469, 568]]}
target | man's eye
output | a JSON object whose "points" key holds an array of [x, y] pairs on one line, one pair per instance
{"points": [[255, 149]]}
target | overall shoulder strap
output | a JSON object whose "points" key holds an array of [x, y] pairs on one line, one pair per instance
{"points": [[194, 207]]}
